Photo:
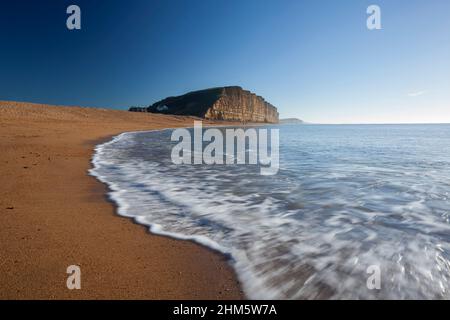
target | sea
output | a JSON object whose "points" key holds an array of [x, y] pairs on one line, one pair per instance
{"points": [[354, 212]]}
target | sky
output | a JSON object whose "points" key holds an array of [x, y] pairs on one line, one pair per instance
{"points": [[315, 59]]}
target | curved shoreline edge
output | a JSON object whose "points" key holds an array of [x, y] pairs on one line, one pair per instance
{"points": [[154, 228], [121, 207], [252, 287]]}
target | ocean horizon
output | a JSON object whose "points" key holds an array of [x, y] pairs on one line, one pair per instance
{"points": [[346, 197]]}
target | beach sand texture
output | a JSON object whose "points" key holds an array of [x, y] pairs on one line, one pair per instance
{"points": [[53, 215]]}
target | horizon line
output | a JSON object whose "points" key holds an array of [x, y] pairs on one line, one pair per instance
{"points": [[305, 122]]}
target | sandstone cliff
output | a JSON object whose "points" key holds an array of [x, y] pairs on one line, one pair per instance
{"points": [[224, 103]]}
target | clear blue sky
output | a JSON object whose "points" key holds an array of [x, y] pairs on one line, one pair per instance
{"points": [[314, 59]]}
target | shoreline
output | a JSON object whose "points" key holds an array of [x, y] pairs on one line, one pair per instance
{"points": [[51, 220]]}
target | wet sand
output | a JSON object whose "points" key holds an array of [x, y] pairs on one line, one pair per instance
{"points": [[53, 215]]}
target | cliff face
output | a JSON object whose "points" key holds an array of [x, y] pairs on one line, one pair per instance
{"points": [[224, 103], [238, 104]]}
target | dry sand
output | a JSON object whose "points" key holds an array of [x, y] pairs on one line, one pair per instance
{"points": [[53, 214]]}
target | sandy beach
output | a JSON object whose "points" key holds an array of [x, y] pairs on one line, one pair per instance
{"points": [[53, 215]]}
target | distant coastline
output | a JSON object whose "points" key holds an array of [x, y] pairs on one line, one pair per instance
{"points": [[291, 121]]}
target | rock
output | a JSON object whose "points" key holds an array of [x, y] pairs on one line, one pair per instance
{"points": [[223, 103], [292, 121]]}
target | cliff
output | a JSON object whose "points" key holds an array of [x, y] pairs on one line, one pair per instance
{"points": [[223, 103]]}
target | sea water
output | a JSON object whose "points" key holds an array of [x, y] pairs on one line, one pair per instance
{"points": [[346, 197]]}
